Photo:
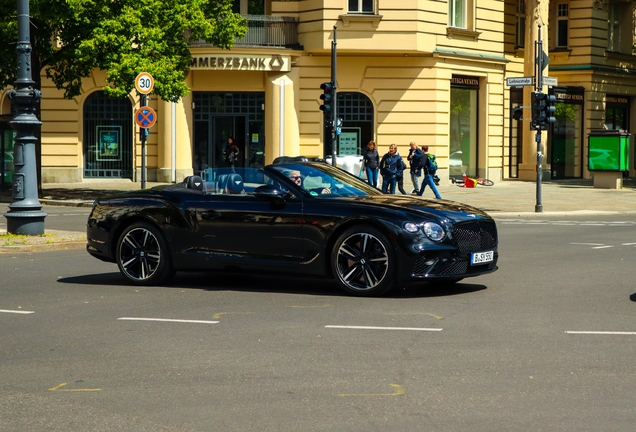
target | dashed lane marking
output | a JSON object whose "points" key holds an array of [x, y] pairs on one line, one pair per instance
{"points": [[601, 332], [383, 328], [167, 320], [16, 311], [399, 391]]}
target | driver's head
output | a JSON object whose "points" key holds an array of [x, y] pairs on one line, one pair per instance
{"points": [[296, 178]]}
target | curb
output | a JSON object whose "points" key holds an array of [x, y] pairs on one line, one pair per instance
{"points": [[42, 247]]}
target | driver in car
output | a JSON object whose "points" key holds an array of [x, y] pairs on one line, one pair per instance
{"points": [[298, 179]]}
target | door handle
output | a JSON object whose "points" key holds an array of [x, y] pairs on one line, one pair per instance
{"points": [[210, 214]]}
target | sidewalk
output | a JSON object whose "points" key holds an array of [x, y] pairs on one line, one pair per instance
{"points": [[510, 198]]}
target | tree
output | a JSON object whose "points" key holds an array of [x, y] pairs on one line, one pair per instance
{"points": [[71, 38]]}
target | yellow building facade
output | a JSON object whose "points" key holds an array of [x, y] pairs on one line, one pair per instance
{"points": [[433, 72]]}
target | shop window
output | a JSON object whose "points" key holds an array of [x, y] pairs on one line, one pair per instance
{"points": [[361, 6], [520, 30], [562, 25], [108, 137], [620, 27]]}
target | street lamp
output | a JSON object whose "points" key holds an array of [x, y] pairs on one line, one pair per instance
{"points": [[25, 214]]}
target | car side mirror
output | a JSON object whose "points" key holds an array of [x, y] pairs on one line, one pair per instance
{"points": [[268, 191]]}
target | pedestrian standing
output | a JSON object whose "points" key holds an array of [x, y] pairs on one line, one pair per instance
{"points": [[399, 178], [371, 161], [429, 174], [389, 169], [415, 158]]}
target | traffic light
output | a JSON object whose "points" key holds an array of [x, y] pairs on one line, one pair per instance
{"points": [[327, 97], [517, 113], [542, 110], [549, 110]]}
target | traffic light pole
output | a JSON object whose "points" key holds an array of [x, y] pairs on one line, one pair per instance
{"points": [[538, 208], [334, 110]]}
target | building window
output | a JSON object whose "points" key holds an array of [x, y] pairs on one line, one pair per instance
{"points": [[562, 25], [457, 13], [520, 36], [620, 15], [361, 6]]}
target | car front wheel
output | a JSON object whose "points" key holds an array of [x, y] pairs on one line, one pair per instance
{"points": [[142, 255], [363, 262]]}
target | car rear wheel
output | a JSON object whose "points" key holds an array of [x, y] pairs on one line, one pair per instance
{"points": [[142, 255], [363, 262]]}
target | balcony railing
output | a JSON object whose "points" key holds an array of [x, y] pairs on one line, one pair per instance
{"points": [[268, 31]]}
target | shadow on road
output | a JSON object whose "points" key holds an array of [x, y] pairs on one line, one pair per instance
{"points": [[273, 284]]}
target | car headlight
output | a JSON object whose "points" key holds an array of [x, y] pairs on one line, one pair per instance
{"points": [[411, 227], [434, 231]]}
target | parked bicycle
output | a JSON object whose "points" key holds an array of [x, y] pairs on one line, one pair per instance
{"points": [[469, 182]]}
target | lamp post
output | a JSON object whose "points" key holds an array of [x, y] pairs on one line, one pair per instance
{"points": [[25, 214]]}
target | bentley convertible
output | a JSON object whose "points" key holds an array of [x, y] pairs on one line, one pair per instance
{"points": [[304, 218]]}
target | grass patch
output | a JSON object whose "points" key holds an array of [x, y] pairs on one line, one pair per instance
{"points": [[20, 239]]}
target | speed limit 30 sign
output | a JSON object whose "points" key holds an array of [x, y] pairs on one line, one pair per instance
{"points": [[144, 83]]}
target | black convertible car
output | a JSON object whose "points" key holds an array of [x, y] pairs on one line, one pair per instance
{"points": [[305, 218]]}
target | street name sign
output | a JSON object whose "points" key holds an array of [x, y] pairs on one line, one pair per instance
{"points": [[520, 81], [550, 81]]}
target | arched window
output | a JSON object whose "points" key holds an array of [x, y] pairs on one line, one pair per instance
{"points": [[108, 137], [358, 128]]}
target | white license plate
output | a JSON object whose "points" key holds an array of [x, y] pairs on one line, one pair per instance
{"points": [[482, 257]]}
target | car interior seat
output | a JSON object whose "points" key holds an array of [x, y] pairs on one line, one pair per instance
{"points": [[234, 184], [194, 182]]}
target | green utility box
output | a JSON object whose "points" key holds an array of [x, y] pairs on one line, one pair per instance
{"points": [[608, 150]]}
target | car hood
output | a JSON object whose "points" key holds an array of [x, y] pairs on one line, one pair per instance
{"points": [[442, 209]]}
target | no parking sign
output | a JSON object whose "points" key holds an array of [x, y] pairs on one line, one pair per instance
{"points": [[145, 117]]}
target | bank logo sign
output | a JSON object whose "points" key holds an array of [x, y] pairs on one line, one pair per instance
{"points": [[276, 63]]}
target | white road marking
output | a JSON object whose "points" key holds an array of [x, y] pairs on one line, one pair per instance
{"points": [[382, 328], [601, 332], [16, 311], [588, 244], [167, 320]]}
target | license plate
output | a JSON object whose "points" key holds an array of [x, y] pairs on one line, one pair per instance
{"points": [[482, 257]]}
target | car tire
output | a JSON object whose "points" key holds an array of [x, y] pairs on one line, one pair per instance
{"points": [[142, 255], [363, 262]]}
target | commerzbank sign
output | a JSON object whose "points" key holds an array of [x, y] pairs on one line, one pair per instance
{"points": [[275, 63]]}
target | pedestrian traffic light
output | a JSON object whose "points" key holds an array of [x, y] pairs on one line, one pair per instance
{"points": [[327, 97]]}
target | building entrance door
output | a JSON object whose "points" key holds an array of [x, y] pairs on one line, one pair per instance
{"points": [[219, 116]]}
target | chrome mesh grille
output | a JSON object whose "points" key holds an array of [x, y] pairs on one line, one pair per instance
{"points": [[475, 236]]}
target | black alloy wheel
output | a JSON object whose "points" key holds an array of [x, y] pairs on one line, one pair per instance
{"points": [[142, 255], [363, 262]]}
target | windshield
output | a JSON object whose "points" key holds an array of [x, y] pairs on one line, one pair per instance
{"points": [[317, 179], [324, 180]]}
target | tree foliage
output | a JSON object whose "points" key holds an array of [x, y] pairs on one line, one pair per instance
{"points": [[71, 38]]}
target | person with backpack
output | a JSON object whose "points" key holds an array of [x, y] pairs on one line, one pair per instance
{"points": [[389, 166], [430, 169], [415, 158]]}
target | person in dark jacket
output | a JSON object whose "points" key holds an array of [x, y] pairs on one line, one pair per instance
{"points": [[415, 158], [400, 175], [371, 161], [389, 166]]}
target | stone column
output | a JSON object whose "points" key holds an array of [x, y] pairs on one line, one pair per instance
{"points": [[537, 12]]}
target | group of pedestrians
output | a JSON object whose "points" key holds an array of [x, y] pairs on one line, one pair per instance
{"points": [[391, 167]]}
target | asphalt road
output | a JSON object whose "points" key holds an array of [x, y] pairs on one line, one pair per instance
{"points": [[546, 343]]}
